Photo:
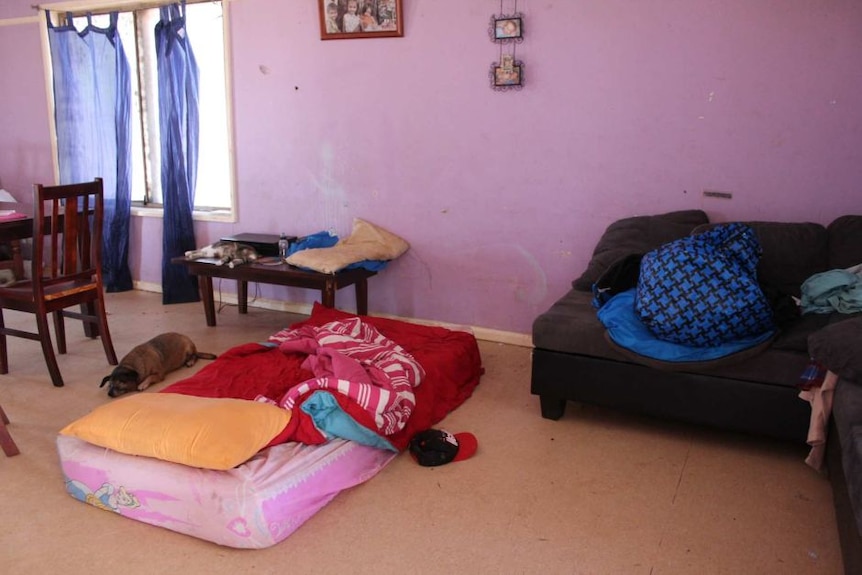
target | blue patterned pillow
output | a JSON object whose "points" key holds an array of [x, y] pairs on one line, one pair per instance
{"points": [[702, 290]]}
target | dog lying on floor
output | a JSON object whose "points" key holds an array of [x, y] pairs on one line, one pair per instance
{"points": [[149, 362], [230, 253]]}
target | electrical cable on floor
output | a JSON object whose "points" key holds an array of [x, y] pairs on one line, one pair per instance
{"points": [[222, 304]]}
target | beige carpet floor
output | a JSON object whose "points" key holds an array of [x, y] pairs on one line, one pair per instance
{"points": [[596, 492]]}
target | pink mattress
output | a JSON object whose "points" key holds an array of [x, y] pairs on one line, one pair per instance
{"points": [[262, 501], [258, 504]]}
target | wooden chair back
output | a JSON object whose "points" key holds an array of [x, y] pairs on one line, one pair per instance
{"points": [[67, 232], [66, 272]]}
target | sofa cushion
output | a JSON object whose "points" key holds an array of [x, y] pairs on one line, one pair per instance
{"points": [[790, 253], [838, 347], [793, 336], [847, 414], [845, 242], [571, 325], [637, 235]]}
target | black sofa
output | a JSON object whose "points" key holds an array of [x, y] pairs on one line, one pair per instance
{"points": [[839, 348], [574, 361]]}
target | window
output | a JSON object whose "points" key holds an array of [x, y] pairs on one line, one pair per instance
{"points": [[214, 196]]}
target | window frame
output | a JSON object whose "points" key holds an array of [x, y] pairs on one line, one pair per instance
{"points": [[81, 7]]}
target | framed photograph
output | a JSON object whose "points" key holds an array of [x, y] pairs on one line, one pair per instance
{"points": [[507, 28], [341, 19], [507, 75]]}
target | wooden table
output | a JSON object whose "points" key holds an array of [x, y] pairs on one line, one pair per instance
{"points": [[12, 232], [281, 274]]}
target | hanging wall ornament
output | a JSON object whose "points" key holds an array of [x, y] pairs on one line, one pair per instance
{"points": [[507, 74], [507, 30]]}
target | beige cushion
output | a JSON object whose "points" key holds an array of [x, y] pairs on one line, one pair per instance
{"points": [[366, 242]]}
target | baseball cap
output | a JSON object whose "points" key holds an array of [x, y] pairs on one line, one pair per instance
{"points": [[434, 447]]}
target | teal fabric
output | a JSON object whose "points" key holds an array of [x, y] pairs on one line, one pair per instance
{"points": [[831, 291], [332, 421]]}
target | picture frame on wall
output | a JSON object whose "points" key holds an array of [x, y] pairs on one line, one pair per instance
{"points": [[344, 19], [507, 76], [507, 28]]}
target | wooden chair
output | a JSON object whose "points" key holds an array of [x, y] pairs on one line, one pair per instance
{"points": [[6, 441], [67, 225]]}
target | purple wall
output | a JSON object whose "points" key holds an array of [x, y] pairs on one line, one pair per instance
{"points": [[629, 108]]}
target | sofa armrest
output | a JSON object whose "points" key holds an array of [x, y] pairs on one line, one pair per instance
{"points": [[838, 347]]}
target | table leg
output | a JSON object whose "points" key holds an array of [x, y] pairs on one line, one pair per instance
{"points": [[242, 296], [362, 296], [328, 292], [17, 260], [206, 285]]}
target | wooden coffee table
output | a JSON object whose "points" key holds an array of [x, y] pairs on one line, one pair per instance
{"points": [[281, 274]]}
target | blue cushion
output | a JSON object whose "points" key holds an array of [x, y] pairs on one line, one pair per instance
{"points": [[625, 329]]}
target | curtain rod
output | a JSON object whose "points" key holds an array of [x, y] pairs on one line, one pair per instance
{"points": [[103, 6]]}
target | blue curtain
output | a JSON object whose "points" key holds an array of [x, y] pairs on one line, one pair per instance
{"points": [[92, 95], [179, 126]]}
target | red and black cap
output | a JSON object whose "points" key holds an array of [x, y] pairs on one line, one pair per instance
{"points": [[434, 447]]}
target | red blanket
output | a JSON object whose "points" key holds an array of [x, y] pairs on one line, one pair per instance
{"points": [[450, 359]]}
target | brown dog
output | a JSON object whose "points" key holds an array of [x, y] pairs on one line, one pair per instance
{"points": [[149, 362]]}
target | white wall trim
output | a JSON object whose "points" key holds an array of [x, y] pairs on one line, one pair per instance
{"points": [[484, 334], [18, 21]]}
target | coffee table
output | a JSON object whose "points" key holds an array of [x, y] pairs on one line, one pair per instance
{"points": [[280, 274]]}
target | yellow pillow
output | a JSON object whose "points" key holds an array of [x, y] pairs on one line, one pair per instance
{"points": [[213, 433]]}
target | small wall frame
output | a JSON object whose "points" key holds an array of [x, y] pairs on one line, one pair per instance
{"points": [[507, 74], [507, 28]]}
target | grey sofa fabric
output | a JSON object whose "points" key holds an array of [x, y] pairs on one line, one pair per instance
{"points": [[838, 347], [847, 414], [637, 235], [572, 360], [845, 242], [807, 243], [572, 326]]}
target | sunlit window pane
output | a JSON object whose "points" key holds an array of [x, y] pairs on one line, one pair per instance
{"points": [[204, 24]]}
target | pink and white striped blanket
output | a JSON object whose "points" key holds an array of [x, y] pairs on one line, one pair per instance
{"points": [[351, 358]]}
